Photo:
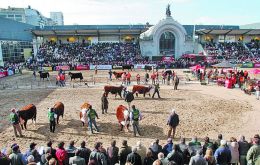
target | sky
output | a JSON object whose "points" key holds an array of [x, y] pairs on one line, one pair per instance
{"points": [[126, 12]]}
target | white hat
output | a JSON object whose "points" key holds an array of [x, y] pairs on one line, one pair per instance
{"points": [[223, 142]]}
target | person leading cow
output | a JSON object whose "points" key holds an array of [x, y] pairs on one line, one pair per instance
{"points": [[14, 119], [92, 115], [135, 116]]}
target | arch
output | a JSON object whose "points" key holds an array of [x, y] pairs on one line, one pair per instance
{"points": [[167, 43]]}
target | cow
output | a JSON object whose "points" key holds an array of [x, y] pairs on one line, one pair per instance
{"points": [[129, 67], [139, 89], [83, 113], [118, 74], [114, 90], [148, 68], [25, 113], [44, 75], [58, 110], [76, 76]]}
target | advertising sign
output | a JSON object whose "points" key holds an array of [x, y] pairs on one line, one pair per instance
{"points": [[101, 67], [65, 67], [82, 67]]}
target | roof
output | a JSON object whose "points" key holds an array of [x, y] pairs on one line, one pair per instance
{"points": [[228, 31], [13, 30], [88, 29]]}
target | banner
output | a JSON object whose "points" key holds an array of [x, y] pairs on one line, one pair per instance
{"points": [[117, 67], [82, 67], [139, 66], [257, 65], [101, 67], [247, 65], [47, 68], [167, 59], [65, 67]]}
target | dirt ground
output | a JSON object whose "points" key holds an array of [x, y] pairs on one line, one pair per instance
{"points": [[203, 111]]}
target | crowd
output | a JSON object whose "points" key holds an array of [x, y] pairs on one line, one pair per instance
{"points": [[237, 52], [96, 53], [195, 152]]}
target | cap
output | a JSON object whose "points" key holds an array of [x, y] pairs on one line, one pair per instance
{"points": [[32, 145]]}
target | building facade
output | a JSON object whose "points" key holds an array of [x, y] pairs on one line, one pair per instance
{"points": [[57, 17]]}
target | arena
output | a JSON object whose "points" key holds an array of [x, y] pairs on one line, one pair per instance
{"points": [[214, 67]]}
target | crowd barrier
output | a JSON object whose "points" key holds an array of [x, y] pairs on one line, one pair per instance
{"points": [[101, 67], [3, 74]]}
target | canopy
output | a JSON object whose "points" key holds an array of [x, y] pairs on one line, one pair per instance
{"points": [[197, 67], [255, 71], [224, 64]]}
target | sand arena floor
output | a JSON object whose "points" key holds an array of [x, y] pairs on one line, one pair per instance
{"points": [[203, 111]]}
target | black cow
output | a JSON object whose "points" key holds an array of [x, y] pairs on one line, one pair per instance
{"points": [[44, 75], [148, 67], [26, 113], [76, 76], [129, 67]]}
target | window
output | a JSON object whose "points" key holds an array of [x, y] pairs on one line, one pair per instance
{"points": [[167, 43]]}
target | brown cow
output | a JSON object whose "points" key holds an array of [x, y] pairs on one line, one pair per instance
{"points": [[27, 112], [58, 110], [118, 74], [114, 90], [139, 89]]}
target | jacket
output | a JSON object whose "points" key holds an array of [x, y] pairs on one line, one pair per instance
{"points": [[222, 155], [173, 120], [134, 158], [124, 151], [61, 156], [77, 160], [252, 154], [17, 159]]}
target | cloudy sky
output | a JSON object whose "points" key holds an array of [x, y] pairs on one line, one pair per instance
{"points": [[96, 12]]}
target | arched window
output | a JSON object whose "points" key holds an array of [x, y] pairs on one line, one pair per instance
{"points": [[167, 43]]}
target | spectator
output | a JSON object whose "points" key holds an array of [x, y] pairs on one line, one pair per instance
{"points": [[168, 147], [198, 159], [223, 154], [112, 153], [233, 146], [175, 155], [243, 149], [84, 152], [16, 157], [123, 152], [141, 150], [134, 157], [209, 157], [254, 151], [148, 160], [33, 151], [96, 156], [71, 149], [77, 160], [61, 154], [52, 150], [184, 148], [207, 144], [156, 148]]}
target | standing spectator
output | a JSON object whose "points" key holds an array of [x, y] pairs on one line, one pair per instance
{"points": [[92, 115], [254, 152], [61, 154], [134, 157], [4, 159], [222, 154], [84, 152], [176, 82], [32, 151], [30, 160], [138, 77], [14, 119], [198, 159], [135, 116], [217, 142], [209, 157], [173, 122], [97, 156], [207, 144], [148, 160], [163, 160], [194, 146], [185, 150], [156, 90], [175, 155], [128, 78], [110, 74], [257, 92], [77, 160], [156, 148], [112, 153], [123, 152], [233, 146], [104, 103], [243, 149], [16, 157], [141, 150], [168, 147], [146, 78], [52, 150], [51, 117], [71, 149]]}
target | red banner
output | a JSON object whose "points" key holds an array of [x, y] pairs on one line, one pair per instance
{"points": [[257, 65], [3, 74], [167, 59], [65, 67], [82, 67]]}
